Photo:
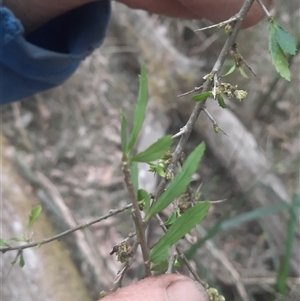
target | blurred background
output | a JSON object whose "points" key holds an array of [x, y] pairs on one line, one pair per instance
{"points": [[62, 149]]}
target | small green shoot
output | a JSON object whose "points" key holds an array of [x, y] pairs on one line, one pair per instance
{"points": [[144, 199], [35, 213], [172, 218]]}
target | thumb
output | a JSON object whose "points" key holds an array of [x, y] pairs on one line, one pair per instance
{"points": [[168, 287]]}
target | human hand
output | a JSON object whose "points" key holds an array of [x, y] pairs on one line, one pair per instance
{"points": [[167, 287], [216, 11]]}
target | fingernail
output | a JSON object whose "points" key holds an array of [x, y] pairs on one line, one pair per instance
{"points": [[186, 290]]}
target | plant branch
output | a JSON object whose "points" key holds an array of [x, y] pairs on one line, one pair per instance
{"points": [[264, 9], [206, 87], [67, 232], [221, 24], [138, 220]]}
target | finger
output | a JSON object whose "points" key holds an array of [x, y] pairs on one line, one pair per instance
{"points": [[216, 11], [168, 287], [221, 10], [171, 8]]}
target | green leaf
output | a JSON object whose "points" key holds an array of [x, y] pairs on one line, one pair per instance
{"points": [[134, 176], [278, 57], [154, 151], [243, 73], [35, 213], [183, 225], [171, 220], [156, 168], [176, 263], [285, 40], [238, 220], [230, 70], [3, 243], [140, 108], [180, 182], [21, 261], [143, 196], [221, 101], [202, 96], [162, 266], [123, 131]]}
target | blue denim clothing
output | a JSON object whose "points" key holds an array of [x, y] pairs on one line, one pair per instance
{"points": [[46, 57]]}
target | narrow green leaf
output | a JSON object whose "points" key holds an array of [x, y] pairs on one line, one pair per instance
{"points": [[144, 196], [183, 225], [278, 57], [123, 131], [180, 181], [243, 73], [134, 176], [35, 213], [3, 243], [236, 221], [285, 40], [202, 96], [162, 266], [230, 70], [140, 108], [253, 215], [154, 151], [21, 261], [221, 101], [171, 220]]}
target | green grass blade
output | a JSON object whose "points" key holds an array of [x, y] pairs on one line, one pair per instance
{"points": [[284, 270]]}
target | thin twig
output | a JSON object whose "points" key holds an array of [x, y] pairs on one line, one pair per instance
{"points": [[215, 124], [190, 92], [180, 133], [268, 14], [67, 232], [221, 24], [206, 87], [139, 223]]}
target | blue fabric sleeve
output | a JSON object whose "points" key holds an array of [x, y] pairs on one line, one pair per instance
{"points": [[46, 57]]}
